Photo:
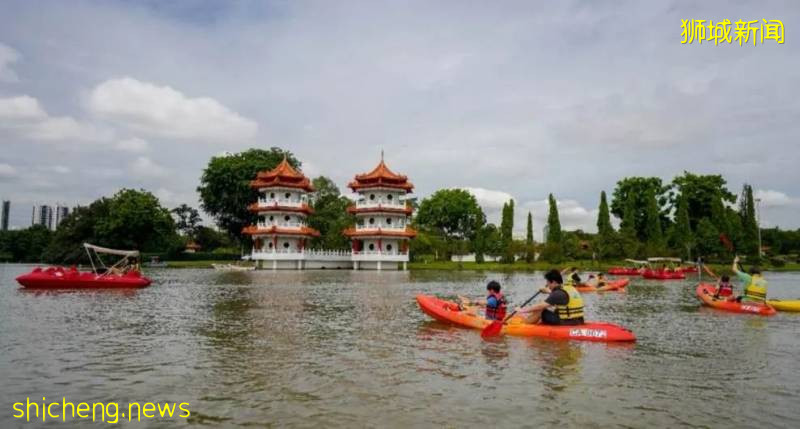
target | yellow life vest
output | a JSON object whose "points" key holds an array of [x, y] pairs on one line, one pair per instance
{"points": [[574, 307], [756, 290]]}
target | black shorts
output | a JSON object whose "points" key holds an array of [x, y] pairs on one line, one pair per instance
{"points": [[551, 318]]}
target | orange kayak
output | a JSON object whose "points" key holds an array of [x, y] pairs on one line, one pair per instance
{"points": [[705, 293], [613, 285], [450, 312]]}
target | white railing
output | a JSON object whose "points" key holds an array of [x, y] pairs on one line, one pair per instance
{"points": [[378, 252], [280, 202], [394, 204], [376, 226], [281, 224]]}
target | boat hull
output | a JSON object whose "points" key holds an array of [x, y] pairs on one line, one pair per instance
{"points": [[705, 293], [59, 278]]}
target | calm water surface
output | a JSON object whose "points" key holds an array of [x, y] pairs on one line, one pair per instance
{"points": [[342, 348]]}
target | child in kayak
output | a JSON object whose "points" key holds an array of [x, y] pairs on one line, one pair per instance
{"points": [[724, 288], [598, 281], [563, 306], [495, 302]]}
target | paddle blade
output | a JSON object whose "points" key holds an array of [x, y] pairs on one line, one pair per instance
{"points": [[493, 329]]}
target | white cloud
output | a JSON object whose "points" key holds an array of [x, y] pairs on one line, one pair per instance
{"points": [[23, 107], [8, 56], [143, 167], [60, 169], [133, 145], [770, 198], [7, 171], [165, 112], [24, 115], [488, 199]]}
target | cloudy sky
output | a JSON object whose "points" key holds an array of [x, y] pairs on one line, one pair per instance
{"points": [[509, 99]]}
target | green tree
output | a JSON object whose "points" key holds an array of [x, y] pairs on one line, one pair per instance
{"points": [[330, 215], [187, 219], [605, 240], [708, 243], [530, 250], [225, 190], [554, 250], [682, 237], [210, 239], [453, 214], [637, 188], [653, 233], [702, 193], [629, 242], [747, 212], [507, 232], [25, 245]]}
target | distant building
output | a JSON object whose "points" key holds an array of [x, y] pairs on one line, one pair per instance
{"points": [[61, 213], [42, 215], [5, 213]]}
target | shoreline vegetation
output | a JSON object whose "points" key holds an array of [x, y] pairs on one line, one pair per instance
{"points": [[520, 266]]}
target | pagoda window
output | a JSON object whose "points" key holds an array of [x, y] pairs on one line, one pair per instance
{"points": [[272, 195], [388, 221], [286, 245], [372, 221], [270, 245], [388, 247], [271, 218], [389, 197], [261, 219], [286, 218], [372, 197], [287, 195], [360, 222], [371, 246]]}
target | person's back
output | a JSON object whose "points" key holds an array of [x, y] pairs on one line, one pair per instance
{"points": [[568, 307]]}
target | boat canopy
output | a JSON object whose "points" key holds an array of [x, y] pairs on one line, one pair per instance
{"points": [[678, 260], [98, 249], [634, 261]]}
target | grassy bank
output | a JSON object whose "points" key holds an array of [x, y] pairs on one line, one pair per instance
{"points": [[200, 264]]}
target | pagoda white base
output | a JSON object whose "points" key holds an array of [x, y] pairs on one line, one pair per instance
{"points": [[327, 260]]}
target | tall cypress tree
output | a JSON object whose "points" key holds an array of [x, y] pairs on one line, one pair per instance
{"points": [[529, 249], [683, 236], [604, 227], [507, 232], [554, 246], [627, 229], [747, 211]]}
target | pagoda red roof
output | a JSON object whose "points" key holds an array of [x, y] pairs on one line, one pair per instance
{"points": [[303, 208], [303, 231], [407, 232], [284, 175], [381, 177]]}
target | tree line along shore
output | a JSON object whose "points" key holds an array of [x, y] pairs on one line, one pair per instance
{"points": [[689, 217]]}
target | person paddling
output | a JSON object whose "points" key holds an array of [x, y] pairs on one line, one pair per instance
{"points": [[755, 289], [563, 306]]}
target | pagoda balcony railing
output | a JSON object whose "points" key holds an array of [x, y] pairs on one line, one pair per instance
{"points": [[392, 227], [293, 253], [266, 202], [379, 203], [379, 252], [281, 224], [378, 255]]}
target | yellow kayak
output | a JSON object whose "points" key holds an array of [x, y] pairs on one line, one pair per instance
{"points": [[785, 305]]}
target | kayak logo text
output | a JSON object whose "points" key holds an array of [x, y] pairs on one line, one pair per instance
{"points": [[593, 333]]}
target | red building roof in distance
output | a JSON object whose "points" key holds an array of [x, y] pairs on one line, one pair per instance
{"points": [[302, 231], [408, 232], [284, 175], [381, 177]]}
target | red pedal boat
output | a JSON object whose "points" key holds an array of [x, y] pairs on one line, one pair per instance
{"points": [[663, 275], [123, 274]]}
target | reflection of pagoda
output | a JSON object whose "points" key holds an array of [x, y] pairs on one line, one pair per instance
{"points": [[380, 237], [281, 234]]}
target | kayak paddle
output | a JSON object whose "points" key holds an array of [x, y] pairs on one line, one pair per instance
{"points": [[496, 326]]}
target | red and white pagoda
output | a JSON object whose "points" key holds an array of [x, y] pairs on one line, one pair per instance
{"points": [[381, 234], [281, 233]]}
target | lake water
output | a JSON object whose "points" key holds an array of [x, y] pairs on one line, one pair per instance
{"points": [[342, 348]]}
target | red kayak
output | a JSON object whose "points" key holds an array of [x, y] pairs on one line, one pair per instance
{"points": [[622, 271], [663, 275], [60, 278], [450, 312], [705, 293], [611, 286]]}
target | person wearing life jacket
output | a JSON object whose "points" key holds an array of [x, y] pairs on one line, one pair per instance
{"points": [[563, 305], [724, 288], [755, 289], [495, 303]]}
